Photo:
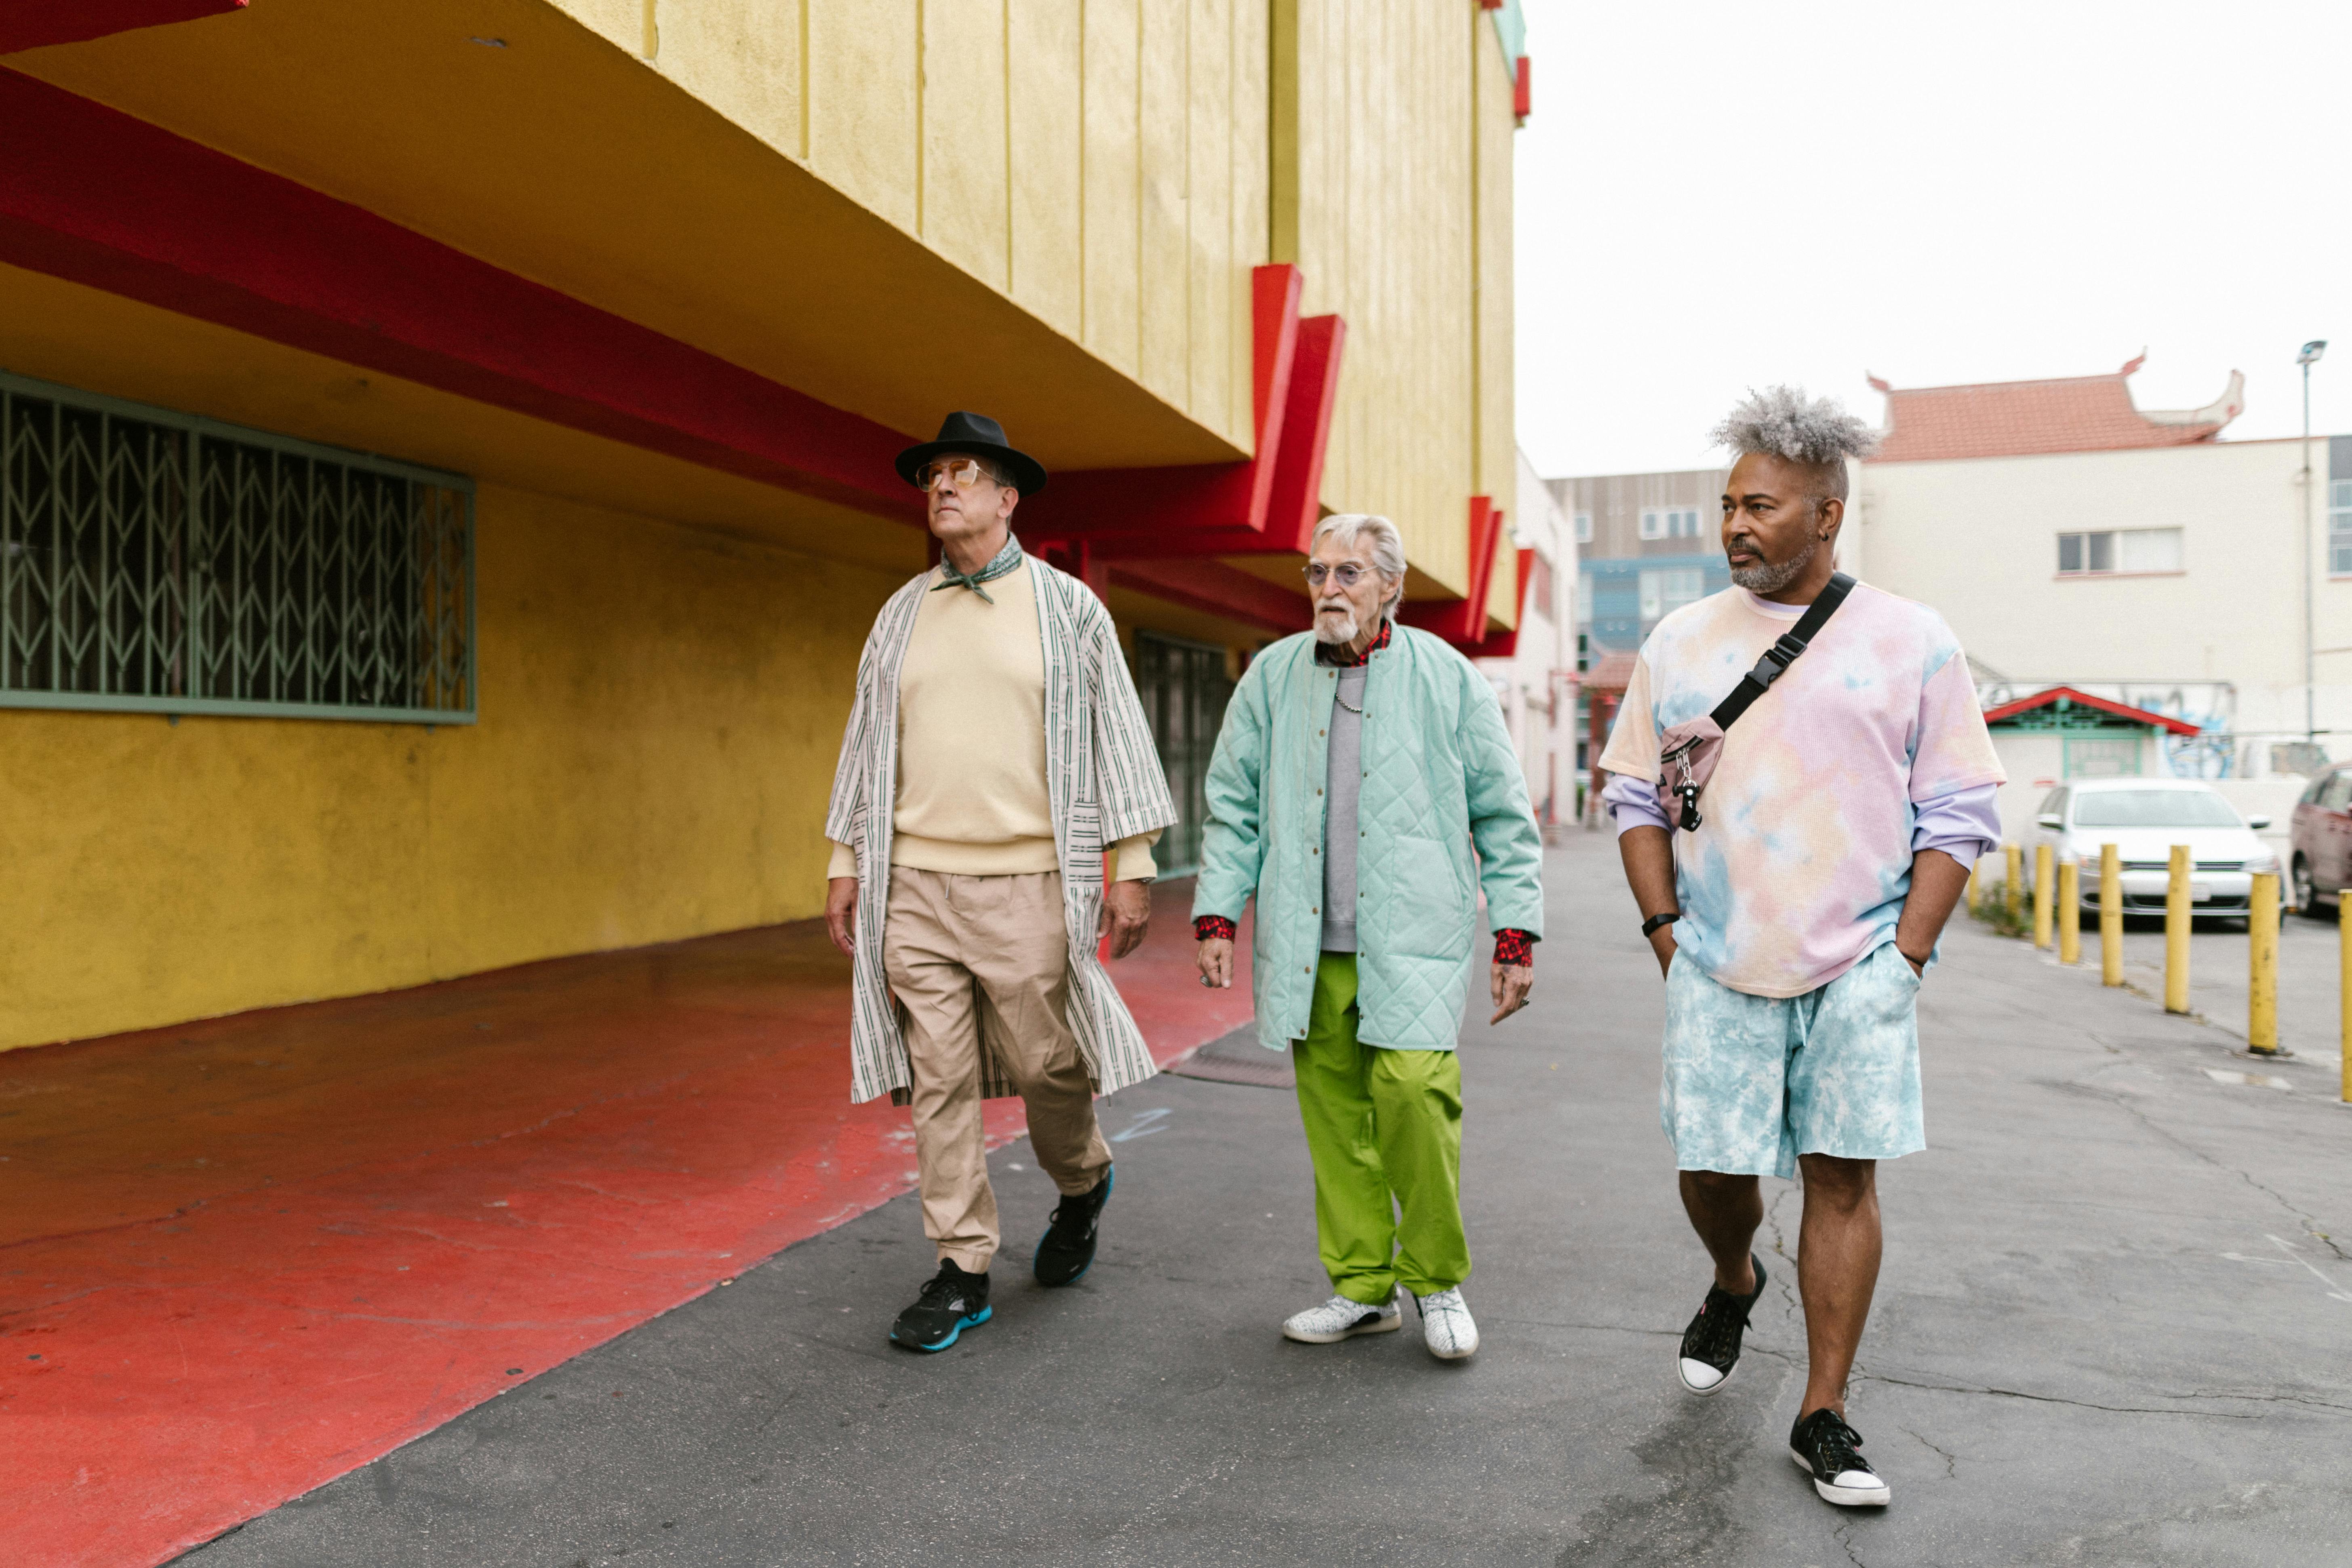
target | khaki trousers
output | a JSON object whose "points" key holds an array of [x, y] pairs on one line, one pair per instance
{"points": [[983, 963]]}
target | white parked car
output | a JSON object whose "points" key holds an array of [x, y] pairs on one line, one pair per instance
{"points": [[2144, 818]]}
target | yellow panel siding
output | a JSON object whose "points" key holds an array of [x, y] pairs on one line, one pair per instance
{"points": [[659, 713], [1044, 127], [965, 178], [1114, 215], [1248, 225], [865, 104], [744, 61], [1165, 360], [1383, 218], [1209, 212], [1494, 129]]}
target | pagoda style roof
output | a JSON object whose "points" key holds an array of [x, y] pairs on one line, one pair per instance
{"points": [[2056, 708], [2017, 418]]}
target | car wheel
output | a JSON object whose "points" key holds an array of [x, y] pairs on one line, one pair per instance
{"points": [[2306, 900]]}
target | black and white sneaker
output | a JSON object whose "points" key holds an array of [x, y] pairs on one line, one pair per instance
{"points": [[1067, 1248], [1829, 1450], [1711, 1345], [952, 1303]]}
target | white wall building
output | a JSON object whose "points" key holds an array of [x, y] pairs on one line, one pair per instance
{"points": [[2073, 539], [1536, 682]]}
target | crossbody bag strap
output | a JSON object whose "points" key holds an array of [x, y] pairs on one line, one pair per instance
{"points": [[1783, 652]]}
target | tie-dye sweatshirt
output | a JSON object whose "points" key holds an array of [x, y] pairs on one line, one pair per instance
{"points": [[1803, 862]]}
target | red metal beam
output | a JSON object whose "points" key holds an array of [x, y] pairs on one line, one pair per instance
{"points": [[1462, 621], [37, 23], [1504, 644], [1214, 588], [98, 198]]}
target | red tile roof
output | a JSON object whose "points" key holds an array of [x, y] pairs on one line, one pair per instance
{"points": [[2014, 418]]}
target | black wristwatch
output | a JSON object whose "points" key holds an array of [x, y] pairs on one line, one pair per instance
{"points": [[1650, 926]]}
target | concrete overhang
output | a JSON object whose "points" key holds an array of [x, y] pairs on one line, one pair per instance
{"points": [[563, 159]]}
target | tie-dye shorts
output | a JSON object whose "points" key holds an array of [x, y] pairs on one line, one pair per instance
{"points": [[1751, 1082]]}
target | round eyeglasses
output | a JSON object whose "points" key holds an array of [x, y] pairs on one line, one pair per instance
{"points": [[1348, 573]]}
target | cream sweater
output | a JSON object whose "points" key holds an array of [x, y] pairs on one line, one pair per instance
{"points": [[972, 799]]}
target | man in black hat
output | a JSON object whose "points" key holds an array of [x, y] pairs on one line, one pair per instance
{"points": [[996, 753]]}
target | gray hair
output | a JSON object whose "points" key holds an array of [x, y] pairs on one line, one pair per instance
{"points": [[1388, 547], [1782, 422]]}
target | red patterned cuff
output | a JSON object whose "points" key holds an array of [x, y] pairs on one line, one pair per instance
{"points": [[1515, 947], [1212, 927]]}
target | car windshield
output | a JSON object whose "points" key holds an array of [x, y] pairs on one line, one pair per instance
{"points": [[2153, 809]]}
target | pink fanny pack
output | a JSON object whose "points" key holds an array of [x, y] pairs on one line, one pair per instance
{"points": [[1688, 752]]}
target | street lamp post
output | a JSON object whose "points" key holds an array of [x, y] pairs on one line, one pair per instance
{"points": [[2308, 357]]}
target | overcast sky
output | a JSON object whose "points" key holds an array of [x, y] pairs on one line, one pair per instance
{"points": [[1718, 194]]}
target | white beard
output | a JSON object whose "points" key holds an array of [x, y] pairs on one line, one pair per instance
{"points": [[1336, 634]]}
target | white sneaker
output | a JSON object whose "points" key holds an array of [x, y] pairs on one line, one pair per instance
{"points": [[1340, 1319], [1446, 1325]]}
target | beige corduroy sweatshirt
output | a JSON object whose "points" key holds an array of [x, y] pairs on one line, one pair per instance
{"points": [[972, 800]]}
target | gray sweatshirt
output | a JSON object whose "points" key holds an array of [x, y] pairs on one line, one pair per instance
{"points": [[1341, 836]]}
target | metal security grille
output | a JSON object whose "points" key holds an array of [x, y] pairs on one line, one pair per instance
{"points": [[153, 561], [1184, 693]]}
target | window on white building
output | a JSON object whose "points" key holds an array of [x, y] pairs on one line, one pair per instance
{"points": [[1664, 592], [2119, 550], [1584, 527], [1669, 522], [2339, 527], [1584, 598]]}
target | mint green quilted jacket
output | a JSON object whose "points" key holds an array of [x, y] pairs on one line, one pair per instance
{"points": [[1443, 812]]}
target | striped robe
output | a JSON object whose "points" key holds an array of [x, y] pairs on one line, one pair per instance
{"points": [[1105, 783]]}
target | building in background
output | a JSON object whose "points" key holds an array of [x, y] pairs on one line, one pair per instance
{"points": [[2076, 542], [447, 475], [1535, 681]]}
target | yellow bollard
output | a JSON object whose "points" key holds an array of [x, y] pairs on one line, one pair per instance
{"points": [[2012, 887], [2261, 964], [2111, 917], [2069, 913], [2345, 998], [2176, 932], [2041, 879]]}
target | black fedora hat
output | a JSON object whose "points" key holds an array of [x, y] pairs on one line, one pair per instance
{"points": [[983, 436]]}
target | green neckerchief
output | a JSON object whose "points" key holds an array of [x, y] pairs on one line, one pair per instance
{"points": [[1008, 560]]}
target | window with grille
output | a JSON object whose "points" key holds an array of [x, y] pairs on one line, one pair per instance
{"points": [[1669, 522], [2119, 550], [1184, 691], [153, 561]]}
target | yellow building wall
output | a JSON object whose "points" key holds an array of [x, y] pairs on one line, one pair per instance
{"points": [[1101, 163], [1392, 184], [660, 712]]}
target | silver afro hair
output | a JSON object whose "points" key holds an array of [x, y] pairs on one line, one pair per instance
{"points": [[1782, 422], [1388, 547]]}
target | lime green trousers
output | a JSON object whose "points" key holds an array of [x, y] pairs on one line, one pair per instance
{"points": [[1384, 1130]]}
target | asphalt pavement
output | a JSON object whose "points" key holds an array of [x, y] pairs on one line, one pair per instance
{"points": [[2111, 1329]]}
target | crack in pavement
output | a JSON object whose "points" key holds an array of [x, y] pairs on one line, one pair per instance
{"points": [[1951, 1471], [2050, 1398], [2309, 1223], [1839, 1535]]}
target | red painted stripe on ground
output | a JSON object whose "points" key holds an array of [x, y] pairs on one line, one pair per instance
{"points": [[242, 1256]]}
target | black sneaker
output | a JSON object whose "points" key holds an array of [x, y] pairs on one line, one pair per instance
{"points": [[1829, 1450], [1067, 1248], [1711, 1343], [952, 1303]]}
